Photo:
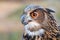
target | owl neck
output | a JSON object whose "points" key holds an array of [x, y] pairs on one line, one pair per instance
{"points": [[33, 28]]}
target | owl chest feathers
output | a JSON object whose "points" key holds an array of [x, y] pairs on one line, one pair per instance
{"points": [[33, 31], [33, 28]]}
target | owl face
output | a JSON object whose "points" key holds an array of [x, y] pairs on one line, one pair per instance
{"points": [[36, 15]]}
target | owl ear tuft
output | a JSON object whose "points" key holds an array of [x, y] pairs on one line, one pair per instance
{"points": [[50, 10]]}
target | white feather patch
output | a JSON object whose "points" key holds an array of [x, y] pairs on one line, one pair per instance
{"points": [[33, 24]]}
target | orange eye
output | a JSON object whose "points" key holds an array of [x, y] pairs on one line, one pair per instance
{"points": [[34, 14]]}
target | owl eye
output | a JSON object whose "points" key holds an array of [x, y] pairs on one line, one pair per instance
{"points": [[34, 14]]}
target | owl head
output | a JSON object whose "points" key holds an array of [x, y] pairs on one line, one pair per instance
{"points": [[33, 17], [34, 13]]}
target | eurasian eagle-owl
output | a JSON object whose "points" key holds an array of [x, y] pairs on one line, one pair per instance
{"points": [[39, 24]]}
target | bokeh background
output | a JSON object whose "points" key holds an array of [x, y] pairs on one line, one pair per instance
{"points": [[11, 11]]}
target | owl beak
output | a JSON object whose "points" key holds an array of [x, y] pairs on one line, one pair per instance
{"points": [[25, 20]]}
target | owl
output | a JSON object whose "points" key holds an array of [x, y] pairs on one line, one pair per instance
{"points": [[39, 24]]}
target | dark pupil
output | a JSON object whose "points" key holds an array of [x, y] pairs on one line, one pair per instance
{"points": [[34, 14]]}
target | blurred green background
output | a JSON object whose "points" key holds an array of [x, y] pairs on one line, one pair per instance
{"points": [[10, 13]]}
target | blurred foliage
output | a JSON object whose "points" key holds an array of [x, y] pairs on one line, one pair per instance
{"points": [[17, 13], [11, 36], [58, 15]]}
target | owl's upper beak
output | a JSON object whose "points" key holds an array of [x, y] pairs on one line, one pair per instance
{"points": [[25, 20]]}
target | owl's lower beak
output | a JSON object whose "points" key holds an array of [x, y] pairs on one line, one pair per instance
{"points": [[25, 22]]}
